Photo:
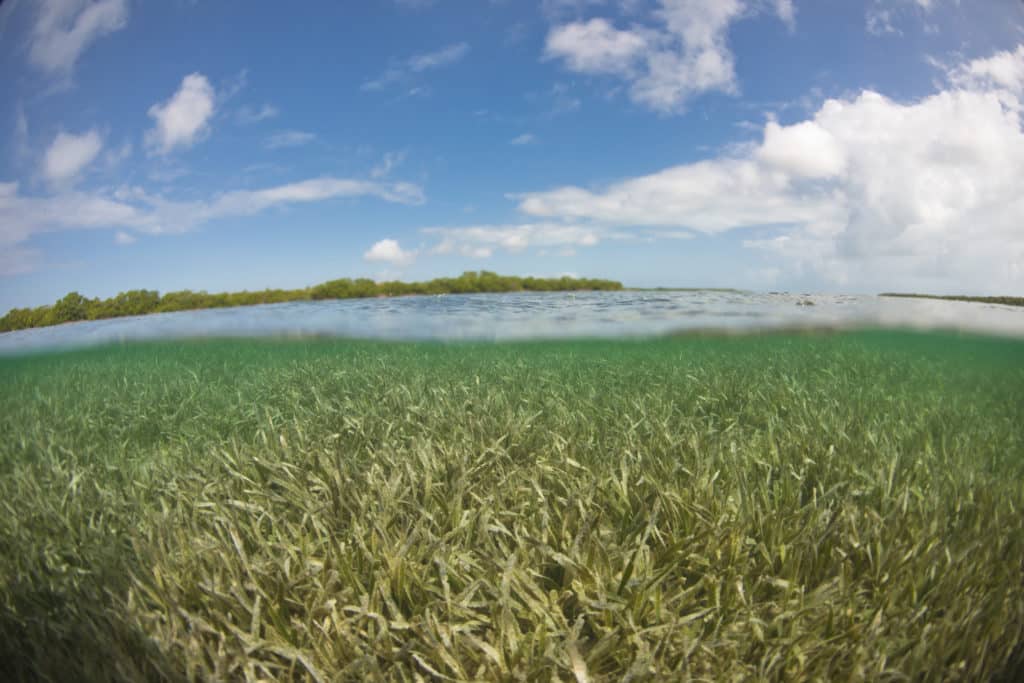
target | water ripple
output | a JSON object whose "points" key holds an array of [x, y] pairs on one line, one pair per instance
{"points": [[531, 315]]}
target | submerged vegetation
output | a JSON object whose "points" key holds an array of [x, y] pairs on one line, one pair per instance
{"points": [[829, 507], [74, 307], [1004, 300]]}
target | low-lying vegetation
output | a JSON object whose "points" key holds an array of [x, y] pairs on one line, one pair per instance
{"points": [[74, 307], [816, 507], [1003, 300]]}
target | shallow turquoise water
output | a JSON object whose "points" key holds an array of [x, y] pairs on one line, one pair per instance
{"points": [[880, 470]]}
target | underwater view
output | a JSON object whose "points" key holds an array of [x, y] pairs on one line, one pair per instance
{"points": [[777, 505], [584, 341]]}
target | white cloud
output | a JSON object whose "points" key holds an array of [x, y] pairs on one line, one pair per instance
{"points": [[805, 149], [64, 29], [699, 61], [401, 70], [68, 154], [868, 192], [390, 76], [184, 118], [883, 16], [786, 12], [1001, 70], [480, 241], [247, 115], [879, 21], [124, 238], [681, 52], [524, 139], [443, 57], [246, 202], [595, 46], [388, 163], [21, 216], [132, 208], [289, 138], [389, 251], [709, 196]]}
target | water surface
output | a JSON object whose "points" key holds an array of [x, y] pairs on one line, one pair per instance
{"points": [[533, 315]]}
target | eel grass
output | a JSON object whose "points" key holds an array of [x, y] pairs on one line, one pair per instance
{"points": [[774, 507]]}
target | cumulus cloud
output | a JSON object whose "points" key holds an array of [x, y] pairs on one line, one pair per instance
{"points": [[867, 192], [389, 251], [804, 149], [183, 119], [69, 154], [1002, 70], [124, 238], [134, 209], [64, 29], [595, 46], [289, 138], [682, 53], [709, 196]]}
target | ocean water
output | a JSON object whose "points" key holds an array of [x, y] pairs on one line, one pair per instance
{"points": [[533, 315], [825, 504]]}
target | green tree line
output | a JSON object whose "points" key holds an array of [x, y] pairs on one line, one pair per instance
{"points": [[1004, 300], [74, 306]]}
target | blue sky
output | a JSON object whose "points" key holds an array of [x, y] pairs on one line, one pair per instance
{"points": [[825, 145]]}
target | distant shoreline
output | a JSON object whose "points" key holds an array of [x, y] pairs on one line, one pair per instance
{"points": [[1004, 300], [75, 308]]}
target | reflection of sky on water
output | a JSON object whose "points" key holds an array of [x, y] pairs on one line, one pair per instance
{"points": [[534, 315]]}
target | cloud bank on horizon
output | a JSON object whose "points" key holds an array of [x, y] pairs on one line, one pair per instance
{"points": [[725, 134]]}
